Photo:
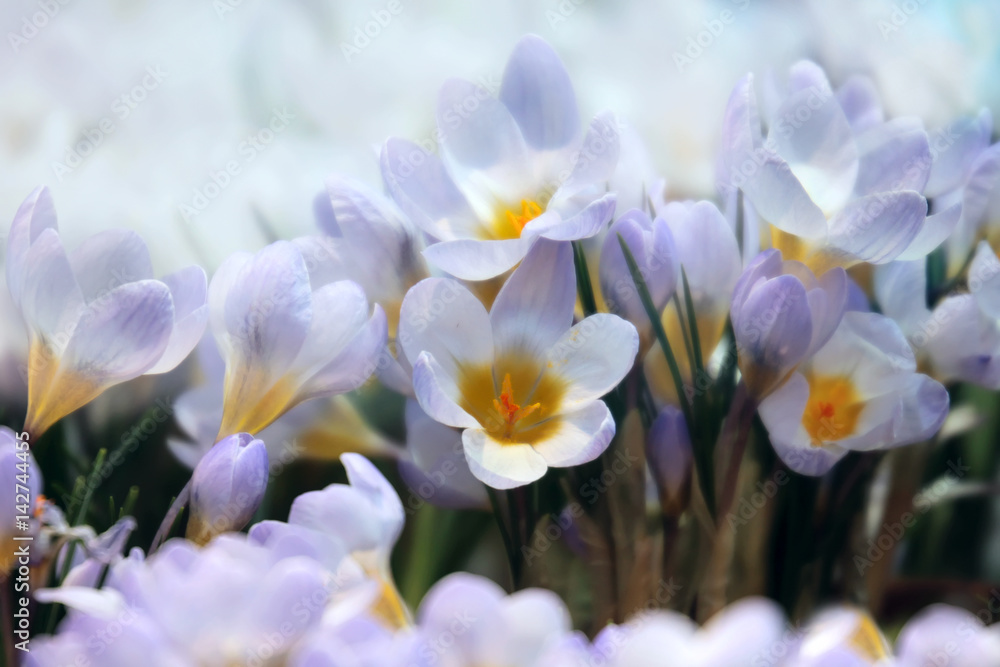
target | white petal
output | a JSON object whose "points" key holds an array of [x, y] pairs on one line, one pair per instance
{"points": [[593, 357], [588, 222], [879, 227], [189, 293], [441, 317], [984, 279], [438, 395], [501, 465], [782, 413], [359, 358], [595, 162], [36, 214], [528, 319], [578, 437], [50, 300], [933, 232], [109, 259], [475, 259]]}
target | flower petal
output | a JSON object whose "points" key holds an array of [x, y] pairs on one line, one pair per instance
{"points": [[501, 465], [109, 259], [442, 317], [437, 393], [957, 146], [592, 358], [35, 214], [356, 361], [779, 197], [50, 300], [984, 279], [859, 100], [539, 94], [578, 437], [935, 230], [423, 188], [473, 259], [189, 293], [893, 156], [593, 165], [588, 222], [526, 319], [879, 227], [782, 413]]}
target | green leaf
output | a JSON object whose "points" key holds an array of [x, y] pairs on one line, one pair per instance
{"points": [[583, 284]]}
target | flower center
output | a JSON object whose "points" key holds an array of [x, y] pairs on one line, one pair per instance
{"points": [[522, 409], [510, 222], [832, 410], [509, 411]]}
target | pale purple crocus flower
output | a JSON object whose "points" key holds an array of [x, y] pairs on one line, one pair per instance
{"points": [[229, 602], [710, 258], [521, 380], [860, 392], [19, 493], [513, 169], [781, 315], [96, 317], [227, 486], [287, 334], [489, 627], [372, 242], [946, 635], [957, 340], [668, 451], [352, 528], [839, 637], [652, 247], [836, 185]]}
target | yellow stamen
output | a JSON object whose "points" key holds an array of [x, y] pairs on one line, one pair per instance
{"points": [[510, 222], [510, 411], [833, 408]]}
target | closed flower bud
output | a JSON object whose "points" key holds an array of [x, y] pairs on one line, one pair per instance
{"points": [[668, 450], [227, 486]]}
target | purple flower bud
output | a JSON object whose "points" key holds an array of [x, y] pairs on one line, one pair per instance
{"points": [[227, 487], [18, 468], [668, 450]]}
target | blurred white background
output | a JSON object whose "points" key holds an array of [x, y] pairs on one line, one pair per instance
{"points": [[180, 86]]}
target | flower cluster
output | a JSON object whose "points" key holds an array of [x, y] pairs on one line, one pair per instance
{"points": [[511, 328]]}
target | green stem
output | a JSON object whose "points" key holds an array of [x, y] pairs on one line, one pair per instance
{"points": [[583, 284]]}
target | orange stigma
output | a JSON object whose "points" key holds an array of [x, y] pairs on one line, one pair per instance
{"points": [[508, 410], [529, 211]]}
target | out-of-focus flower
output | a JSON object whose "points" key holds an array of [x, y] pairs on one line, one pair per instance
{"points": [[99, 552], [434, 465], [286, 335], [521, 380], [860, 391], [836, 188], [95, 316], [947, 635], [362, 520], [668, 450], [743, 633], [710, 257], [19, 469], [488, 626], [227, 486], [782, 314], [845, 637], [373, 243], [230, 602], [652, 247], [514, 169], [959, 340]]}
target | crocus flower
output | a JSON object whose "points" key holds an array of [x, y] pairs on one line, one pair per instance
{"points": [[20, 489], [520, 380], [834, 194], [710, 257], [489, 627], [230, 602], [287, 335], [859, 392], [227, 486], [373, 243], [947, 635], [782, 314], [351, 529], [95, 316], [652, 247], [842, 636], [668, 451], [957, 340], [514, 168]]}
